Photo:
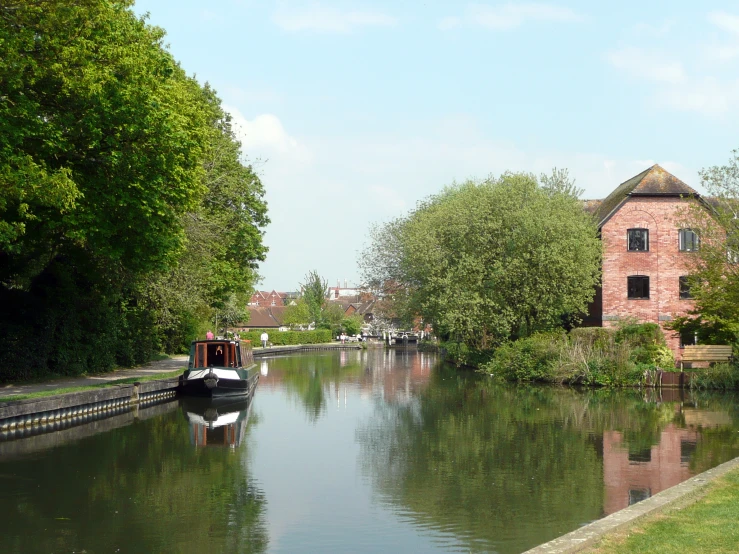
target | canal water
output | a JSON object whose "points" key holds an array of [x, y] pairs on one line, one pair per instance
{"points": [[357, 451]]}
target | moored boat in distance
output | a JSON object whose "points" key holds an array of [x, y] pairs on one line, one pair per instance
{"points": [[220, 367]]}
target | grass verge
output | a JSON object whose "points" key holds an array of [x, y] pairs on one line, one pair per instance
{"points": [[126, 381], [708, 525]]}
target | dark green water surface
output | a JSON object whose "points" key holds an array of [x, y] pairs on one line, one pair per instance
{"points": [[357, 451]]}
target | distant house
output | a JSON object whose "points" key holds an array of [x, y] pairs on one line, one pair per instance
{"points": [[364, 309], [646, 252], [338, 293], [273, 298], [270, 317]]}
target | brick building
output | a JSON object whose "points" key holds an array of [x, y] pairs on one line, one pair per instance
{"points": [[263, 298], [646, 252]]}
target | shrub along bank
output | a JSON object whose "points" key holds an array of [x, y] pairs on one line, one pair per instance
{"points": [[586, 356], [594, 356], [285, 338]]}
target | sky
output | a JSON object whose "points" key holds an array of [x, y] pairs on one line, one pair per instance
{"points": [[353, 111]]}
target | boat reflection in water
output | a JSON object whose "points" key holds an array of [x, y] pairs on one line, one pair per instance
{"points": [[217, 421]]}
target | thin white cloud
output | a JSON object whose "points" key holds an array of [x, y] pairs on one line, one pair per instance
{"points": [[708, 96], [644, 64], [721, 52], [508, 16], [691, 77], [672, 87], [726, 21], [654, 29], [265, 136], [319, 18], [355, 180], [726, 50]]}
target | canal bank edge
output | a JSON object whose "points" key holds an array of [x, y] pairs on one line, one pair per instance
{"points": [[23, 413], [16, 414], [679, 496]]}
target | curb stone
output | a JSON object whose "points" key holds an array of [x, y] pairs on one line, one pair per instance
{"points": [[680, 495]]}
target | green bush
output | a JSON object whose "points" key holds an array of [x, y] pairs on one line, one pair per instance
{"points": [[594, 336], [460, 354], [532, 358], [285, 338], [721, 376], [640, 334], [587, 356]]}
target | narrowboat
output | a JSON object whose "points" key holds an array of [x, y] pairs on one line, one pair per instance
{"points": [[220, 367]]}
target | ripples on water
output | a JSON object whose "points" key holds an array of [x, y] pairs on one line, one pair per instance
{"points": [[357, 451]]}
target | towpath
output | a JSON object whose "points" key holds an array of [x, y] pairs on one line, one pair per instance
{"points": [[152, 368]]}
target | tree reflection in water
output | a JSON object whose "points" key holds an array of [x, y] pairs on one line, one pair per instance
{"points": [[507, 468], [140, 488], [308, 379]]}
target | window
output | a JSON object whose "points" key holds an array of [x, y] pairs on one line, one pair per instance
{"points": [[688, 337], [687, 449], [638, 240], [637, 495], [638, 286], [687, 240], [640, 454], [685, 288]]}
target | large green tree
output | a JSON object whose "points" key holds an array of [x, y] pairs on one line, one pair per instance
{"points": [[101, 138], [122, 189], [486, 261], [218, 266]]}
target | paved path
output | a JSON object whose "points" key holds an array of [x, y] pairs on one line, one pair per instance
{"points": [[152, 368]]}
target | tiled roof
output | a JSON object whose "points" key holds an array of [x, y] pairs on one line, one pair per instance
{"points": [[654, 181], [366, 307], [264, 318]]}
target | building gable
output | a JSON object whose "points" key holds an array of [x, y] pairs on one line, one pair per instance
{"points": [[654, 182]]}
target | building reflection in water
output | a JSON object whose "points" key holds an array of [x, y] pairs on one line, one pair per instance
{"points": [[633, 473]]}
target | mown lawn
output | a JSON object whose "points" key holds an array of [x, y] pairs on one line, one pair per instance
{"points": [[709, 525]]}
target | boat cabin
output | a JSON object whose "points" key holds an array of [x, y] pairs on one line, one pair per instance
{"points": [[220, 353]]}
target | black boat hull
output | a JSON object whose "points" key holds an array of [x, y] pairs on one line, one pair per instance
{"points": [[224, 387]]}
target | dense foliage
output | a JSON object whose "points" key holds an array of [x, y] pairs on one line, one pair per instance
{"points": [[126, 214], [586, 356], [714, 281], [488, 261]]}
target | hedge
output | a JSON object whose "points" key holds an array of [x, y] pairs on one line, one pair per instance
{"points": [[284, 338]]}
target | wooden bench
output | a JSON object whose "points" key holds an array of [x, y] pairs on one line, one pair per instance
{"points": [[706, 353]]}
